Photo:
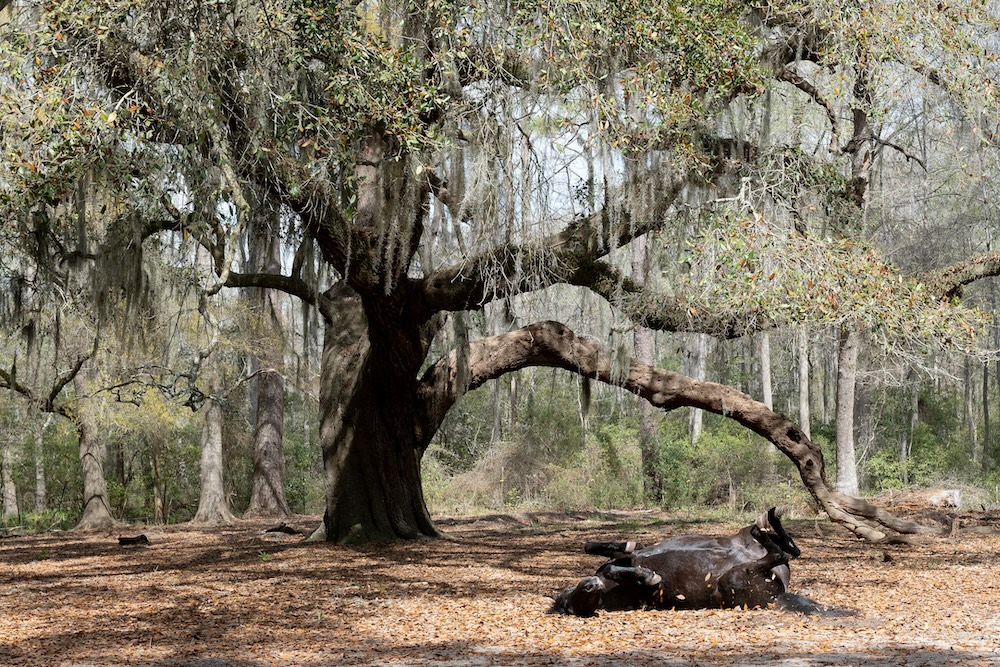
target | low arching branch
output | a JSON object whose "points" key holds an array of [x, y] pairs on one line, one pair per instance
{"points": [[47, 402], [553, 344]]}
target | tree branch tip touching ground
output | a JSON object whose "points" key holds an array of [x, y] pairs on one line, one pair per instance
{"points": [[554, 344]]}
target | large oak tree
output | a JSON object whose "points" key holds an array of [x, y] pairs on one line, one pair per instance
{"points": [[438, 157]]}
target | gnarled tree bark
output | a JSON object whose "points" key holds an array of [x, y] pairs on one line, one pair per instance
{"points": [[369, 433]]}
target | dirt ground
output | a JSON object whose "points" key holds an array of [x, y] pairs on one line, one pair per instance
{"points": [[241, 597]]}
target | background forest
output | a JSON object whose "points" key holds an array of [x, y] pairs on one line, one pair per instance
{"points": [[788, 182], [526, 444]]}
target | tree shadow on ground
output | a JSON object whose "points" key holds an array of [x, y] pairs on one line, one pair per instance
{"points": [[242, 598]]}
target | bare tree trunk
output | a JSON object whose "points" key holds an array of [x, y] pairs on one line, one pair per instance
{"points": [[847, 372], [700, 362], [805, 411], [977, 453], [213, 506], [828, 384], [267, 496], [93, 452], [970, 410], [496, 433], [862, 152], [652, 480], [10, 508], [910, 428], [117, 459], [766, 396], [159, 514], [41, 500], [512, 400]]}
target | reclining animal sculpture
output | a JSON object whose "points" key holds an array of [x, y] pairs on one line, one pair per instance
{"points": [[748, 569]]}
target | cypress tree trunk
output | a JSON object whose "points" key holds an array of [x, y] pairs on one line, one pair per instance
{"points": [[10, 508], [213, 508], [847, 371], [267, 496], [93, 454], [93, 450]]}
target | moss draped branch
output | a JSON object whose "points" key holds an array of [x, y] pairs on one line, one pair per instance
{"points": [[497, 273], [950, 281]]}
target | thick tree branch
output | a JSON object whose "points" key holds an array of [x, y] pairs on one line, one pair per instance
{"points": [[950, 281], [661, 312], [65, 378], [8, 380], [789, 75], [499, 273], [288, 284], [552, 344], [293, 284]]}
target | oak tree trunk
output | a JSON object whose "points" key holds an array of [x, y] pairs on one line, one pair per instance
{"points": [[376, 418], [369, 433]]}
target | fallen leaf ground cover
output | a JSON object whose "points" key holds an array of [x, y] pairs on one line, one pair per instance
{"points": [[240, 597]]}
